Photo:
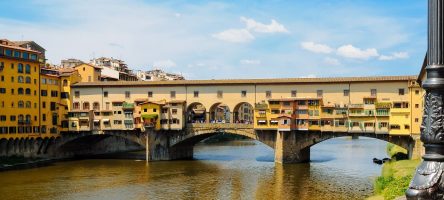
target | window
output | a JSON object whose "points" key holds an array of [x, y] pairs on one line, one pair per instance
{"points": [[268, 94], [20, 79], [319, 93], [293, 93], [174, 111], [406, 126], [28, 79], [43, 81], [27, 69], [105, 94], [2, 117], [35, 81], [401, 91], [416, 92], [12, 91], [21, 104], [173, 94], [243, 93], [12, 118], [8, 52], [44, 104], [75, 105], [127, 94], [65, 82], [64, 95], [220, 94], [33, 57], [196, 94], [54, 93], [286, 103], [2, 90], [44, 93], [28, 91], [53, 106], [416, 120], [76, 94], [150, 94], [16, 54], [2, 78], [373, 92], [96, 106], [20, 91], [85, 105], [12, 79], [346, 93], [416, 105], [20, 68], [43, 117]]}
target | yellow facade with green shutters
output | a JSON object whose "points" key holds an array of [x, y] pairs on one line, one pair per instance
{"points": [[19, 92], [150, 114]]}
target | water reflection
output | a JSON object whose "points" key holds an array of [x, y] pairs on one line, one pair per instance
{"points": [[341, 169]]}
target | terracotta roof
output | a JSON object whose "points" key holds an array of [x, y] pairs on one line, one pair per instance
{"points": [[141, 100], [247, 81], [153, 102], [97, 67], [19, 48]]}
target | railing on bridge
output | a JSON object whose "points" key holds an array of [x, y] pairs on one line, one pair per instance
{"points": [[220, 125]]}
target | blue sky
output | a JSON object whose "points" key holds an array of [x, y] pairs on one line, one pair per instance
{"points": [[230, 39]]}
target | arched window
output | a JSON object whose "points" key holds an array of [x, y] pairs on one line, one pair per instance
{"points": [[28, 79], [27, 69], [21, 104], [96, 106], [20, 68], [28, 118], [65, 82], [28, 104], [20, 91], [20, 79], [20, 118], [76, 105], [28, 91], [85, 105]]}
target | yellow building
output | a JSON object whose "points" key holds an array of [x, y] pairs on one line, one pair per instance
{"points": [[89, 73], [68, 77], [19, 91], [150, 113]]}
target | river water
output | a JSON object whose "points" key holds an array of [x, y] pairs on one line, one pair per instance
{"points": [[341, 168]]}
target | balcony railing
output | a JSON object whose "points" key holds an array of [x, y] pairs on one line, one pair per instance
{"points": [[128, 106]]}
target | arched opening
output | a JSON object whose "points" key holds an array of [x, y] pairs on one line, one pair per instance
{"points": [[220, 113], [196, 113], [243, 113]]}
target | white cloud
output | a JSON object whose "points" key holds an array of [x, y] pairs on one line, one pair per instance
{"points": [[162, 64], [349, 51], [309, 76], [273, 27], [332, 61], [250, 62], [316, 48], [177, 15], [394, 56], [234, 35]]}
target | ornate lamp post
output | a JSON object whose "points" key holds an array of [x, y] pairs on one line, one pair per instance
{"points": [[428, 182]]}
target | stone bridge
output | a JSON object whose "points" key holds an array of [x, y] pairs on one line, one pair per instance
{"points": [[289, 146]]}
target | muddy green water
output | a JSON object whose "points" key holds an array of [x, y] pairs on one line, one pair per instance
{"points": [[340, 169]]}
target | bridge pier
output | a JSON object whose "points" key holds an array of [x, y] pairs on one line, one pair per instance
{"points": [[158, 147], [289, 148]]}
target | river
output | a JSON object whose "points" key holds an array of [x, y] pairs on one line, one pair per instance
{"points": [[340, 168]]}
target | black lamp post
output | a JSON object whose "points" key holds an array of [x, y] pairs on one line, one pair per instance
{"points": [[428, 182]]}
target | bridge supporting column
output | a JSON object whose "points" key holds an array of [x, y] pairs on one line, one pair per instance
{"points": [[289, 149], [158, 147]]}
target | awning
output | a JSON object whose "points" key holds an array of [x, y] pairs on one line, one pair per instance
{"points": [[274, 121], [149, 116], [105, 120], [262, 121], [96, 120]]}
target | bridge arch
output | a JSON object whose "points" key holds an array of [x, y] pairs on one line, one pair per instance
{"points": [[196, 113], [220, 113], [243, 113]]}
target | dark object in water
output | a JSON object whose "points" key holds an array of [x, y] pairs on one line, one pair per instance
{"points": [[377, 161]]}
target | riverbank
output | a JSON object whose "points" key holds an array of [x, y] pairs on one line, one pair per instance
{"points": [[395, 176]]}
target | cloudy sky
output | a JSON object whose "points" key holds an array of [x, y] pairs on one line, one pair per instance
{"points": [[229, 39]]}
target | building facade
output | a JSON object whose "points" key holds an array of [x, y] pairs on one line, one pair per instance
{"points": [[355, 104]]}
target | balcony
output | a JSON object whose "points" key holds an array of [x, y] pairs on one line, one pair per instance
{"points": [[383, 105], [356, 106], [261, 106], [127, 106]]}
